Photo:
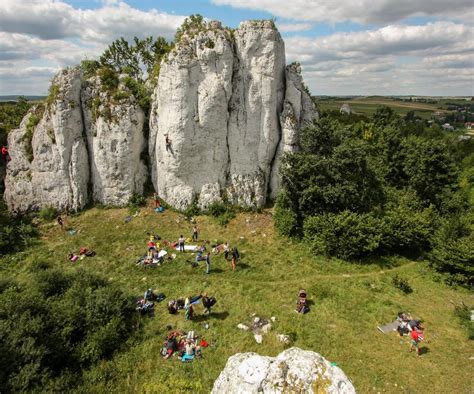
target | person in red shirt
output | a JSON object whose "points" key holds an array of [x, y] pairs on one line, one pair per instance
{"points": [[416, 338], [5, 155]]}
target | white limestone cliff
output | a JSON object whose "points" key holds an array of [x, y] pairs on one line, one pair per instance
{"points": [[114, 133], [190, 106], [254, 129], [298, 112], [49, 164], [218, 98], [223, 97]]}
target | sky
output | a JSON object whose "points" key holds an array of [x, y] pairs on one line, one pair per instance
{"points": [[345, 47]]}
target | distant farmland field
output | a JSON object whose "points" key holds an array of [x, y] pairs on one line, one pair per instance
{"points": [[367, 106]]}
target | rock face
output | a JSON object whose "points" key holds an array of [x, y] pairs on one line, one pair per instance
{"points": [[191, 107], [254, 129], [49, 164], [293, 370], [220, 99], [223, 98], [115, 140], [298, 112]]}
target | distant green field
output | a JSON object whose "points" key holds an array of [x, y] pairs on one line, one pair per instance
{"points": [[367, 106]]}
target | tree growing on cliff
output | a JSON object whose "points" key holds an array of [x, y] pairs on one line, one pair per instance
{"points": [[137, 59]]}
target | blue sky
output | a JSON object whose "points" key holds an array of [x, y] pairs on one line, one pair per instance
{"points": [[418, 47]]}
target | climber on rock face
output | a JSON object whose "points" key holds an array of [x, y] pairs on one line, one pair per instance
{"points": [[168, 143]]}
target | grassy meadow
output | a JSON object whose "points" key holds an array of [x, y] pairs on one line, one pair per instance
{"points": [[348, 302], [368, 105]]}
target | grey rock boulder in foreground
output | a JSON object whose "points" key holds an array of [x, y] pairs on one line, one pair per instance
{"points": [[292, 371]]}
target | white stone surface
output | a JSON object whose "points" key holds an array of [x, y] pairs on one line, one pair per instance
{"points": [[59, 172], [257, 98], [298, 112], [191, 106], [115, 144], [293, 370]]}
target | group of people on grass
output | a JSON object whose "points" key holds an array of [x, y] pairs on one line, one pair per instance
{"points": [[186, 345], [409, 326], [156, 255]]}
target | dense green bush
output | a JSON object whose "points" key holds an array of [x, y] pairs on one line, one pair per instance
{"points": [[136, 201], [15, 232], [57, 326], [48, 213], [463, 313], [347, 235], [453, 251], [374, 187], [402, 284], [223, 212]]}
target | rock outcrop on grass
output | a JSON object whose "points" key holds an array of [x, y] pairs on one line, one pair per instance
{"points": [[223, 97], [294, 371]]}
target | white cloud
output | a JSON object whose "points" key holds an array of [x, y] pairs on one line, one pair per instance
{"points": [[359, 11], [40, 36], [433, 59], [21, 47], [292, 27], [49, 19]]}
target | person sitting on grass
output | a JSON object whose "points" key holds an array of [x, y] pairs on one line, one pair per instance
{"points": [[301, 304], [171, 345]]}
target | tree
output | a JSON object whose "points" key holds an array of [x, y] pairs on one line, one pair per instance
{"points": [[429, 168]]}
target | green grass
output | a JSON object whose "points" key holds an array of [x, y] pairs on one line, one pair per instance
{"points": [[368, 106], [350, 300]]}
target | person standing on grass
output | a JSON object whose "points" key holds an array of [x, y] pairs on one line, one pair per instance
{"points": [[235, 257], [181, 243], [226, 250], [60, 221], [195, 233], [416, 338], [208, 262], [157, 200]]}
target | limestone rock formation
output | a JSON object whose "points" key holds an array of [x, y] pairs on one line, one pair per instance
{"points": [[254, 129], [231, 110], [293, 370], [114, 133], [298, 112], [191, 106], [223, 98], [49, 164]]}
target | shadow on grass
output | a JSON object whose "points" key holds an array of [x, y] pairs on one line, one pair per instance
{"points": [[242, 266], [424, 350], [213, 315]]}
